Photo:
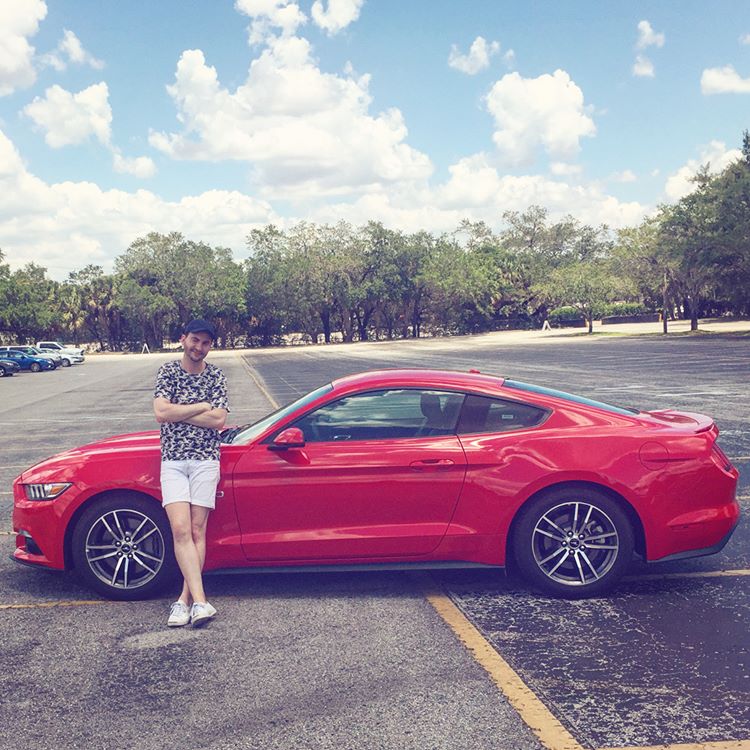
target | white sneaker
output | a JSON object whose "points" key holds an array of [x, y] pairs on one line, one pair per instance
{"points": [[179, 615], [200, 614]]}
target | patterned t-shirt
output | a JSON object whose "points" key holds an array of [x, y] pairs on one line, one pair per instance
{"points": [[181, 441]]}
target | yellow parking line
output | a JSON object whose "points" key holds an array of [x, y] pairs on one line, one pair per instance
{"points": [[260, 385], [40, 605], [728, 745], [550, 732]]}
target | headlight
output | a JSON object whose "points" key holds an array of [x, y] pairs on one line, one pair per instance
{"points": [[45, 491]]}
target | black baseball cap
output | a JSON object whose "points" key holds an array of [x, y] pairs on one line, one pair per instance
{"points": [[201, 326]]}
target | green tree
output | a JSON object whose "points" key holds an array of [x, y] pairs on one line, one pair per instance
{"points": [[28, 302], [689, 231], [587, 286], [90, 302], [640, 256]]}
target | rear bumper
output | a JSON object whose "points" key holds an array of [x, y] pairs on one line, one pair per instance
{"points": [[702, 552]]}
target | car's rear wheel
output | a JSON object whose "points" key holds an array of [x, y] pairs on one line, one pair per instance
{"points": [[122, 547], [573, 542], [35, 367], [65, 362]]}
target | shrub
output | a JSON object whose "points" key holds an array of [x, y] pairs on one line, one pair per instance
{"points": [[566, 312]]}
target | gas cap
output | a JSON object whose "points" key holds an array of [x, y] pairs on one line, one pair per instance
{"points": [[653, 455]]}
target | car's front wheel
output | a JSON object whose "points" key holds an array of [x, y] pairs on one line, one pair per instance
{"points": [[65, 362], [122, 547], [35, 367], [573, 542]]}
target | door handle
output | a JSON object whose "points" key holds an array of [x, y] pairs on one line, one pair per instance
{"points": [[432, 464]]}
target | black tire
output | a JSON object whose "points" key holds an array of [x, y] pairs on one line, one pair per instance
{"points": [[2, 372], [122, 547], [35, 367], [573, 542], [65, 362]]}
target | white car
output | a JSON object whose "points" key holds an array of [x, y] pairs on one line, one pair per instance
{"points": [[71, 354]]}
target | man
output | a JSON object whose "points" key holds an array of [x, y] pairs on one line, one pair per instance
{"points": [[190, 403]]}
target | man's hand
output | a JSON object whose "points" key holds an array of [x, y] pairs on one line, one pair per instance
{"points": [[166, 411]]}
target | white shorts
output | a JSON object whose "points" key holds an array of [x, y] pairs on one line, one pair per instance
{"points": [[191, 482]]}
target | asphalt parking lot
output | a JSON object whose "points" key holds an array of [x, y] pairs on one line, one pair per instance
{"points": [[366, 660]]}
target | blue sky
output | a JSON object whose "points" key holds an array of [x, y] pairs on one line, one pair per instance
{"points": [[212, 117]]}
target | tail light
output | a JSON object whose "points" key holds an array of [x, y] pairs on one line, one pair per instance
{"points": [[720, 458]]}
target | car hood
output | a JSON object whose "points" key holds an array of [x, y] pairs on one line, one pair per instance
{"points": [[142, 442]]}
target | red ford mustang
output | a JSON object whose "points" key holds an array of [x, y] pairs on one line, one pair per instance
{"points": [[401, 468]]}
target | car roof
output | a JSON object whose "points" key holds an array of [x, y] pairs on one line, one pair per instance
{"points": [[419, 378]]}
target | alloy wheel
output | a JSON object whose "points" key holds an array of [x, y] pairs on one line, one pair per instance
{"points": [[575, 543], [125, 549]]}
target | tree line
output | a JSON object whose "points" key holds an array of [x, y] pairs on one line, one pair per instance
{"points": [[326, 282]]}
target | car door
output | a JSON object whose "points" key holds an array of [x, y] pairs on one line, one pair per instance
{"points": [[377, 477]]}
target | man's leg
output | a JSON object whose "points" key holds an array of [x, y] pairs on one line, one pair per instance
{"points": [[198, 524], [186, 551]]}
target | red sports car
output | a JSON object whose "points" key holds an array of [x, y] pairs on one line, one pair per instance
{"points": [[402, 468]]}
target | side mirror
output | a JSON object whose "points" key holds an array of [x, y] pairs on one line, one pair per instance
{"points": [[291, 437]]}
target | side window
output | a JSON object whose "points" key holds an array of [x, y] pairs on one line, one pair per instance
{"points": [[384, 415], [484, 415]]}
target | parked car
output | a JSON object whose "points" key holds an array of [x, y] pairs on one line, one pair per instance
{"points": [[34, 352], [8, 367], [413, 468], [29, 362], [71, 354]]}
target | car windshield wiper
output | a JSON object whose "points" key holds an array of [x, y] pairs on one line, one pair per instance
{"points": [[228, 435]]}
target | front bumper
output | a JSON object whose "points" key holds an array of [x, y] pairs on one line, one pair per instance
{"points": [[38, 527]]}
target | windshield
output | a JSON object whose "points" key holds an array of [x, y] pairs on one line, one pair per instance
{"points": [[569, 397], [247, 433]]}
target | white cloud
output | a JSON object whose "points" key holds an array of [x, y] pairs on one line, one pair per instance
{"points": [[269, 15], [715, 154], [745, 39], [301, 129], [509, 58], [478, 58], [724, 80], [69, 119], [647, 37], [476, 190], [139, 166], [19, 20], [70, 50], [643, 67], [547, 111], [626, 175], [338, 16], [561, 168], [66, 225]]}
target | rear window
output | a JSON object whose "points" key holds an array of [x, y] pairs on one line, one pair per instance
{"points": [[569, 397], [481, 414]]}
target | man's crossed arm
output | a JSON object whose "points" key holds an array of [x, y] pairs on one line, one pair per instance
{"points": [[201, 414]]}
